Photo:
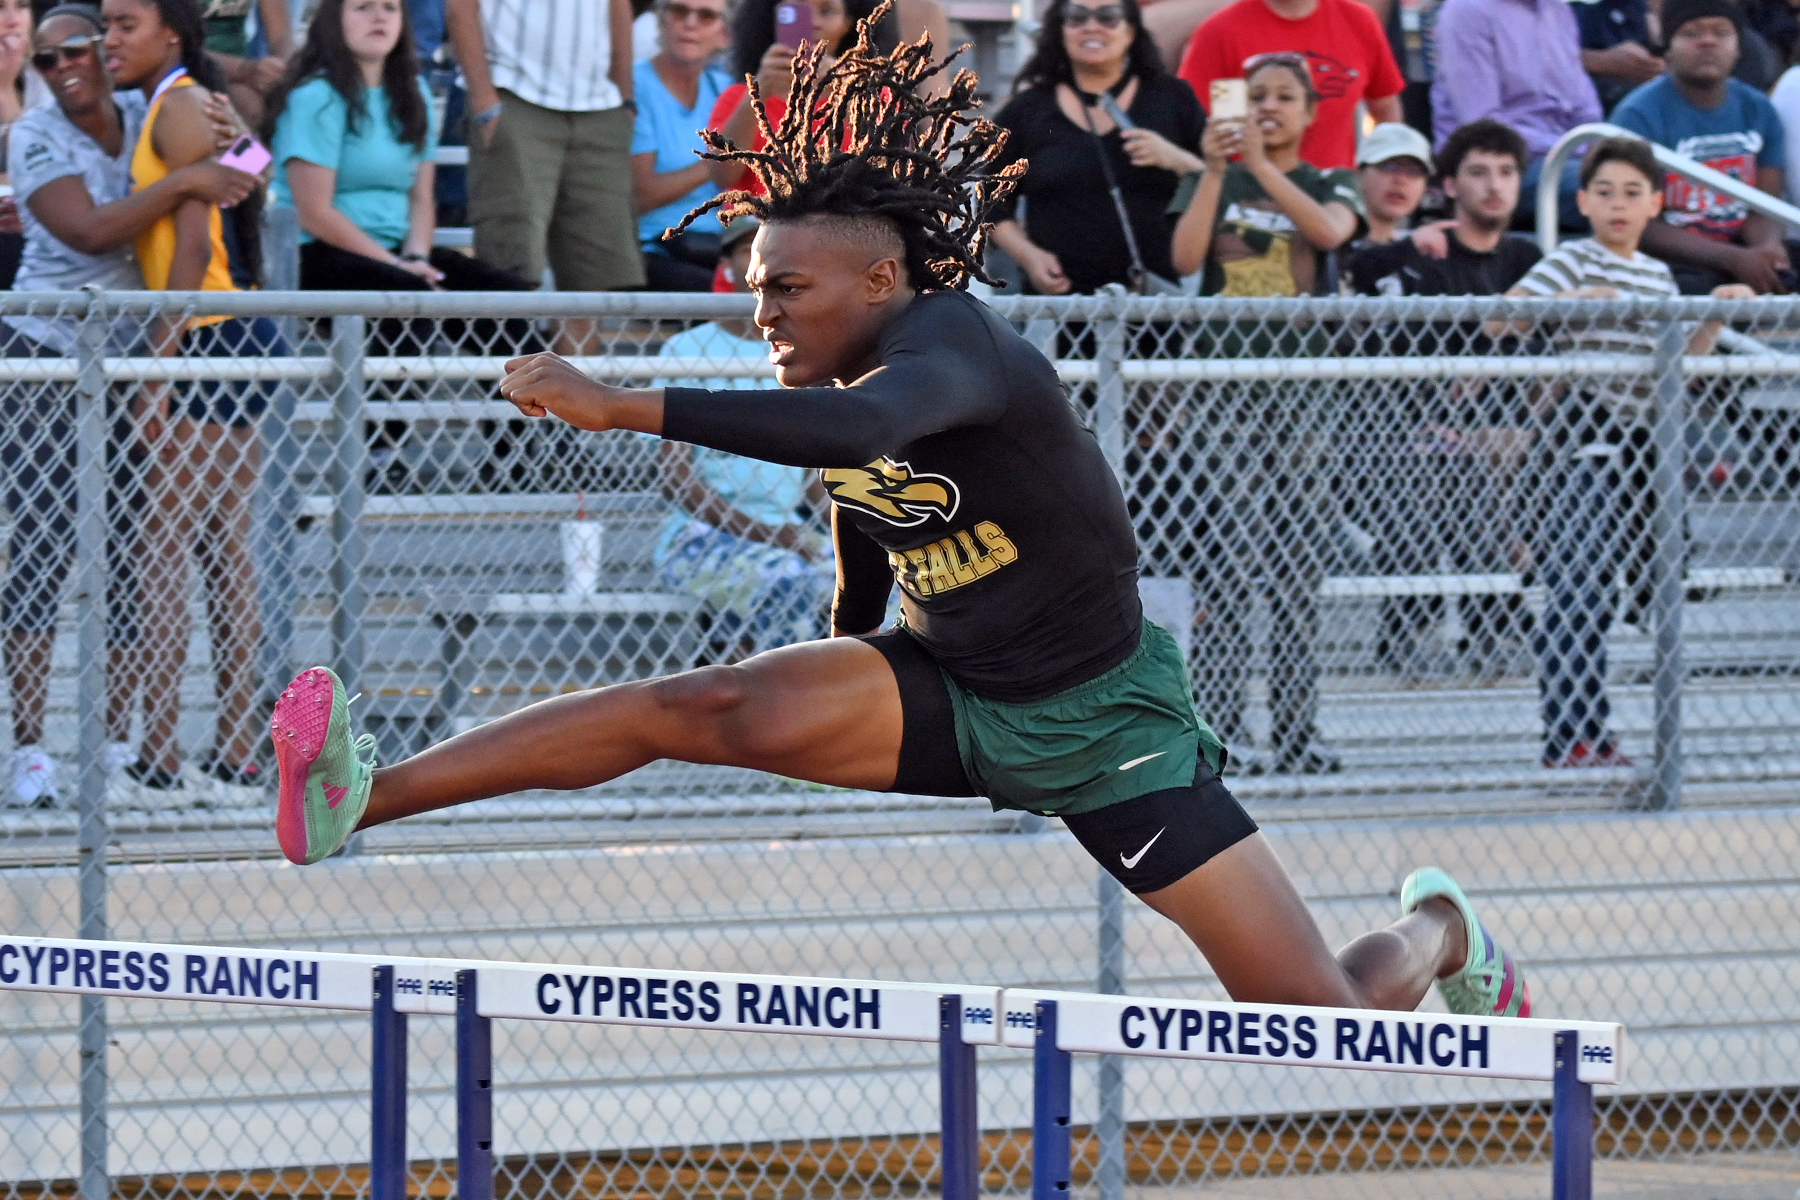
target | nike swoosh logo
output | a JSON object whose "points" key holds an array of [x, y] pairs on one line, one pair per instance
{"points": [[1132, 862], [1138, 762], [335, 796]]}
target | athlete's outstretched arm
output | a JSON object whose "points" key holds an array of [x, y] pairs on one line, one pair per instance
{"points": [[907, 398]]}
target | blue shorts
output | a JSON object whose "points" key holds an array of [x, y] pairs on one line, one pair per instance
{"points": [[234, 402]]}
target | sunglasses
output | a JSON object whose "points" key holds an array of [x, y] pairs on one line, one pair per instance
{"points": [[1286, 58], [699, 16], [1110, 16], [72, 50]]}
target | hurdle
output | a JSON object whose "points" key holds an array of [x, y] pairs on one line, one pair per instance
{"points": [[1572, 1055], [1055, 1026], [958, 1017]]}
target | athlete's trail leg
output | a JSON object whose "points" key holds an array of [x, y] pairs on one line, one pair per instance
{"points": [[1243, 913], [828, 712]]}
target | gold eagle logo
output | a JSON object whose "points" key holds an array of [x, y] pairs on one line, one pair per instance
{"points": [[891, 491]]}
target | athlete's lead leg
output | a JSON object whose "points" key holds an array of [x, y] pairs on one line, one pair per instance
{"points": [[828, 712]]}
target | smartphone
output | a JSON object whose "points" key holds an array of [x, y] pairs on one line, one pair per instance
{"points": [[793, 23], [247, 155], [1111, 108], [1230, 100]]}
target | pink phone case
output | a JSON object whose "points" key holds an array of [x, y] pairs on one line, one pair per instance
{"points": [[247, 155], [793, 23]]}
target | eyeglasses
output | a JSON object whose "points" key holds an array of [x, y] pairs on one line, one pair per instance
{"points": [[1110, 16], [71, 50], [1412, 168], [677, 13]]}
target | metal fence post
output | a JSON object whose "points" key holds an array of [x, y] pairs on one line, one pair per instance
{"points": [[1572, 1124], [1668, 563], [1110, 1127], [347, 479], [960, 1144], [348, 342], [1109, 383], [474, 1093], [92, 835], [387, 1093], [1109, 429], [1050, 1079]]}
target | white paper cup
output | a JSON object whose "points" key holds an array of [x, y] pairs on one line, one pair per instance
{"points": [[581, 556]]}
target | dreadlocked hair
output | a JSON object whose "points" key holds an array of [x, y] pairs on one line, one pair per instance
{"points": [[858, 141]]}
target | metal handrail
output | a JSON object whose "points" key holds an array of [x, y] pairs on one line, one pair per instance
{"points": [[1549, 180]]}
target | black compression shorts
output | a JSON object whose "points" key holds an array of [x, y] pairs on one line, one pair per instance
{"points": [[1147, 843]]}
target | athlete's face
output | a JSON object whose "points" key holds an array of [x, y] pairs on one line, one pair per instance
{"points": [[821, 300]]}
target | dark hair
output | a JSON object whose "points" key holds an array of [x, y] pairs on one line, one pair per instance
{"points": [[243, 222], [858, 143], [1487, 135], [327, 56], [84, 12], [1049, 62], [1632, 151], [753, 31], [1291, 61], [184, 18]]}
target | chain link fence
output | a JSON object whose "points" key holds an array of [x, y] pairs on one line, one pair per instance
{"points": [[1414, 550]]}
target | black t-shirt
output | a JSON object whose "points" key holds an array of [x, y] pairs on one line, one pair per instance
{"points": [[1068, 210], [1399, 268], [959, 466]]}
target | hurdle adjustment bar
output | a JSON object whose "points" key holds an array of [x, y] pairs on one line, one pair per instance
{"points": [[1571, 1123], [387, 1099], [474, 1094], [1051, 1086]]}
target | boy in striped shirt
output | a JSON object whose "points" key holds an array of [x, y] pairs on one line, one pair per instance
{"points": [[1594, 448]]}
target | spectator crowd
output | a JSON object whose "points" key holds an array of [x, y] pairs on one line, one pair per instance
{"points": [[1257, 148]]}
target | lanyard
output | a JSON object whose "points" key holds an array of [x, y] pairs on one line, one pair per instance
{"points": [[168, 81]]}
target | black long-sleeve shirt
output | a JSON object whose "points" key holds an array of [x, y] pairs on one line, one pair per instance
{"points": [[959, 467]]}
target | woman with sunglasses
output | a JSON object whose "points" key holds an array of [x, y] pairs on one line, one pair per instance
{"points": [[676, 90], [1095, 195], [70, 163]]}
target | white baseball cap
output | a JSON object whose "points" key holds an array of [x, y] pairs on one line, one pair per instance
{"points": [[1391, 140]]}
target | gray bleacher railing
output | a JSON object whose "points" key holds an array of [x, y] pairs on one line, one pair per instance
{"points": [[421, 522]]}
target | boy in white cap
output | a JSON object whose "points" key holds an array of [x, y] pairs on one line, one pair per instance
{"points": [[1393, 165]]}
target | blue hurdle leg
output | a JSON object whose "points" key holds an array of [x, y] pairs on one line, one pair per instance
{"points": [[474, 1095], [961, 1153], [387, 1099], [1572, 1124], [1050, 1148]]}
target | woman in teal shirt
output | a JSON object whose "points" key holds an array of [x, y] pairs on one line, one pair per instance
{"points": [[354, 136]]}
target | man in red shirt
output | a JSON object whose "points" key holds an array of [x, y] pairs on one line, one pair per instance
{"points": [[1343, 42]]}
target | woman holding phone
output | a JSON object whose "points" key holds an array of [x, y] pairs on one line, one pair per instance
{"points": [[1261, 519], [766, 34], [1097, 190], [204, 456]]}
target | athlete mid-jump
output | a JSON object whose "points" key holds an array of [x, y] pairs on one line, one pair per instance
{"points": [[1023, 671]]}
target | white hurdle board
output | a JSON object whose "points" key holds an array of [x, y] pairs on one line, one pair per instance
{"points": [[1416, 1043]]}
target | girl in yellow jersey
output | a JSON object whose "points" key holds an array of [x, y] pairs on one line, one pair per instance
{"points": [[203, 437]]}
